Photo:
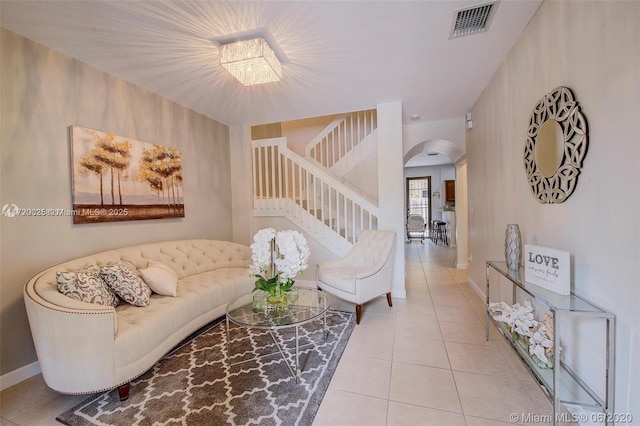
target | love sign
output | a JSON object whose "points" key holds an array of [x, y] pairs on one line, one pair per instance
{"points": [[548, 268]]}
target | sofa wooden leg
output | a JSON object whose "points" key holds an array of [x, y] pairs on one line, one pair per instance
{"points": [[358, 313], [123, 392], [389, 299]]}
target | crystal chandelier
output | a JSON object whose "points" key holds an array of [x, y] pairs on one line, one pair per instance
{"points": [[251, 62]]}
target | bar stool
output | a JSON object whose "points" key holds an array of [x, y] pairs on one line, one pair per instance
{"points": [[439, 232]]}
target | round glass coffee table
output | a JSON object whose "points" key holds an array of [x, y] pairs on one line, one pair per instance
{"points": [[310, 305]]}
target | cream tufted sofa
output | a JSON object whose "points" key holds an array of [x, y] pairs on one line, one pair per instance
{"points": [[85, 348]]}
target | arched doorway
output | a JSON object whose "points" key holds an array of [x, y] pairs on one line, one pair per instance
{"points": [[441, 152]]}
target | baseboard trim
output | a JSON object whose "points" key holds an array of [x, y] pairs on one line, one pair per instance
{"points": [[477, 289], [19, 375], [462, 266]]}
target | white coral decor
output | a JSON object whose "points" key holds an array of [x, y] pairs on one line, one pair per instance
{"points": [[520, 320], [539, 343]]}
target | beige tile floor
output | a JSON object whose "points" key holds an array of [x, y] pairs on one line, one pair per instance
{"points": [[426, 361], [423, 362]]}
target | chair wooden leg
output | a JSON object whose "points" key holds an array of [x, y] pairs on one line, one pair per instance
{"points": [[358, 313], [389, 299]]}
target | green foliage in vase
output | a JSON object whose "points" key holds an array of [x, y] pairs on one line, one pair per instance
{"points": [[272, 285]]}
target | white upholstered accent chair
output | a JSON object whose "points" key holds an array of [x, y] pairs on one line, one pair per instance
{"points": [[416, 227], [365, 273]]}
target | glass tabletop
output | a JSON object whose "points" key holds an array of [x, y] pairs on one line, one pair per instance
{"points": [[569, 303], [309, 305]]}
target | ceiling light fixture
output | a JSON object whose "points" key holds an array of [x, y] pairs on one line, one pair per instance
{"points": [[251, 62]]}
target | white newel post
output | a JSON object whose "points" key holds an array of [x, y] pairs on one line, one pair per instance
{"points": [[390, 185]]}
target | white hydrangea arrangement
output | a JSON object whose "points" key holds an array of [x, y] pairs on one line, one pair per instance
{"points": [[520, 320], [277, 257]]}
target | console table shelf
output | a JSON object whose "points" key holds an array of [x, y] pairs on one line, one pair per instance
{"points": [[561, 384]]}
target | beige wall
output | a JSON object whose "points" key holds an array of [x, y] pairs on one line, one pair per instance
{"points": [[266, 131], [363, 177], [591, 47], [43, 93]]}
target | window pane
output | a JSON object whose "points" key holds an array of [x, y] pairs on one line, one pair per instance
{"points": [[419, 197]]}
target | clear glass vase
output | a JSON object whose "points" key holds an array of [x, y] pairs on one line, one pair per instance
{"points": [[280, 302]]}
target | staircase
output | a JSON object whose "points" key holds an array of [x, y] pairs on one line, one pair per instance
{"points": [[345, 142], [308, 191]]}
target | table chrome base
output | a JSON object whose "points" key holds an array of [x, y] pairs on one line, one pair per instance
{"points": [[293, 369]]}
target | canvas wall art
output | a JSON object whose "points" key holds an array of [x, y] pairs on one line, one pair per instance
{"points": [[119, 179]]}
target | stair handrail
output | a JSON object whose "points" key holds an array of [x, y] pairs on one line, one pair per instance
{"points": [[323, 134], [286, 184], [351, 138], [281, 143], [354, 189]]}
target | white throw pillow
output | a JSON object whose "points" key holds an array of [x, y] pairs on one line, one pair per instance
{"points": [[160, 278]]}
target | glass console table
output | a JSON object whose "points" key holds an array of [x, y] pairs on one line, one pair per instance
{"points": [[561, 384]]}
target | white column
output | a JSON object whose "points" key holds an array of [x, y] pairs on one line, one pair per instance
{"points": [[241, 183], [390, 185], [462, 216]]}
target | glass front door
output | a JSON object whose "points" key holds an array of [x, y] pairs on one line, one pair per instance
{"points": [[419, 197]]}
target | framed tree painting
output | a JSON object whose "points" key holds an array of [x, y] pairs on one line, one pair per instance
{"points": [[118, 179]]}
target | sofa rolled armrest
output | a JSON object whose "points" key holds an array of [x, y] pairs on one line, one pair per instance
{"points": [[75, 336]]}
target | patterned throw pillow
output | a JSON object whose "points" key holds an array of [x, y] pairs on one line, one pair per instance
{"points": [[126, 283], [86, 285], [161, 278]]}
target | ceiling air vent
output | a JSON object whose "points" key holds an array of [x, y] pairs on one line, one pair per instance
{"points": [[473, 20]]}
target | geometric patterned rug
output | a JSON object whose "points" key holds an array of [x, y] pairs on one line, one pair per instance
{"points": [[200, 383]]}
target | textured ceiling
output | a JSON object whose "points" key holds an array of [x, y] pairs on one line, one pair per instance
{"points": [[340, 56]]}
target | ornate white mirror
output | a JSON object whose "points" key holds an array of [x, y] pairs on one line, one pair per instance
{"points": [[556, 145]]}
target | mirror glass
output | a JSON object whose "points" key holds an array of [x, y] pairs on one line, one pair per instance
{"points": [[549, 149]]}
